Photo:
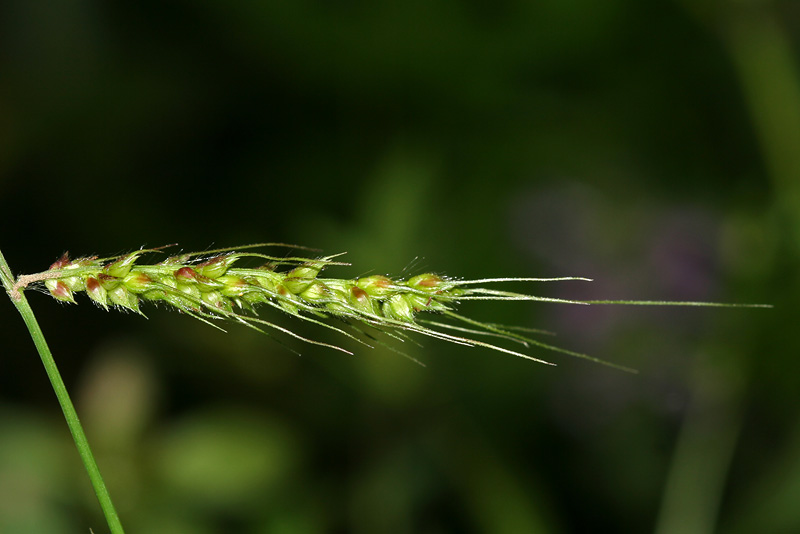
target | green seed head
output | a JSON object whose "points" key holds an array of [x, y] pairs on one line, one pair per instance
{"points": [[376, 285], [267, 279], [108, 282], [59, 290], [287, 300], [123, 266], [60, 263], [124, 299], [425, 282], [216, 266], [190, 289], [185, 274], [300, 278], [74, 283], [315, 292], [138, 282], [360, 299], [176, 260], [97, 292], [399, 309], [232, 285], [211, 287], [216, 301]]}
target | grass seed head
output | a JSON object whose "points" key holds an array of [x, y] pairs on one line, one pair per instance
{"points": [[215, 286]]}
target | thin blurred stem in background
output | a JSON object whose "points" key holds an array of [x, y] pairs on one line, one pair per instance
{"points": [[760, 50]]}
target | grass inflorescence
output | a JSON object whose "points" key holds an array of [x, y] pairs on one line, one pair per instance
{"points": [[215, 285], [229, 284]]}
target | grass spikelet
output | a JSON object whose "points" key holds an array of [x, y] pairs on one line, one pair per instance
{"points": [[229, 285]]}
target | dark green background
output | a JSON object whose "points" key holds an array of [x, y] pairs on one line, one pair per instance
{"points": [[652, 146]]}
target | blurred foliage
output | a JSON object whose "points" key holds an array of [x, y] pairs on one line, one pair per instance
{"points": [[652, 146]]}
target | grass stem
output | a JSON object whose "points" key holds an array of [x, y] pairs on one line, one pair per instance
{"points": [[18, 298]]}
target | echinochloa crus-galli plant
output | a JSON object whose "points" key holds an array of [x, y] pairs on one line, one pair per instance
{"points": [[214, 285], [230, 284]]}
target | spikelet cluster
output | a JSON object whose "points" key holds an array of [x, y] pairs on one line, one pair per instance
{"points": [[214, 285]]}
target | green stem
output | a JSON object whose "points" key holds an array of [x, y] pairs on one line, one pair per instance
{"points": [[19, 300]]}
